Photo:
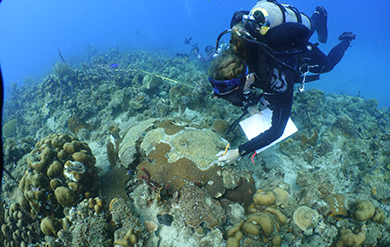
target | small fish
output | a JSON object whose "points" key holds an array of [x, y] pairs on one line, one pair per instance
{"points": [[336, 216], [114, 65]]}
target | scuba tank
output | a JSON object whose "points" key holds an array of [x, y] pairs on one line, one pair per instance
{"points": [[275, 13]]}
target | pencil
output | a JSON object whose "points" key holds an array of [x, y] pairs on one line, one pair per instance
{"points": [[226, 149]]}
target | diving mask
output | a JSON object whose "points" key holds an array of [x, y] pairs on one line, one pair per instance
{"points": [[227, 86]]}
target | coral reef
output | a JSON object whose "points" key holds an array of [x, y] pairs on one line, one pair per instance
{"points": [[154, 131]]}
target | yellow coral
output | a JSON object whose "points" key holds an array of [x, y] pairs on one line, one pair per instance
{"points": [[349, 239], [264, 198], [364, 210]]}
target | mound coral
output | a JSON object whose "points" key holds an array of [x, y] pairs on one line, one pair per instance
{"points": [[262, 198], [265, 225], [62, 171], [349, 239], [364, 210]]}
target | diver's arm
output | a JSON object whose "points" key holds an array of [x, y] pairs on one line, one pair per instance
{"points": [[281, 113]]}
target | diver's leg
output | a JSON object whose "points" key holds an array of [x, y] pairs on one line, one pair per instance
{"points": [[319, 21], [318, 62], [337, 52]]}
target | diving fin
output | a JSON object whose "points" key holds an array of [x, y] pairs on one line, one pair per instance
{"points": [[322, 24], [348, 36]]}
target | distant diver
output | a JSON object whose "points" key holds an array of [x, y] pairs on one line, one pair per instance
{"points": [[187, 41]]}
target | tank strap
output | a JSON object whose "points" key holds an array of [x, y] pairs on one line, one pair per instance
{"points": [[296, 12], [281, 7]]}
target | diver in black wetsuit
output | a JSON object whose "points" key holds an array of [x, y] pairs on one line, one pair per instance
{"points": [[269, 49]]}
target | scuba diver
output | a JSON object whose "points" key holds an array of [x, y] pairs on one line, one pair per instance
{"points": [[209, 50], [270, 50]]}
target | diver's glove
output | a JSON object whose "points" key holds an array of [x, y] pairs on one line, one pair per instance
{"points": [[253, 110], [230, 156]]}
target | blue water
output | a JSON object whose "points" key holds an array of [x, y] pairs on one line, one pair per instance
{"points": [[31, 32]]}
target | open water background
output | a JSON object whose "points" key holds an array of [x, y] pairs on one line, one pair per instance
{"points": [[31, 32]]}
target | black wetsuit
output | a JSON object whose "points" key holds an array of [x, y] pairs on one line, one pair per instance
{"points": [[290, 43], [279, 95]]}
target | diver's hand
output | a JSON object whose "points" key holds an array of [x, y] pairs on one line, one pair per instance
{"points": [[253, 110], [230, 156]]}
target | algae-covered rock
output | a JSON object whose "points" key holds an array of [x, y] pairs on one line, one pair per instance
{"points": [[151, 81]]}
